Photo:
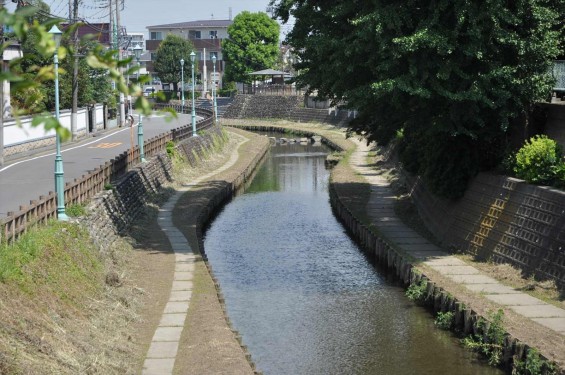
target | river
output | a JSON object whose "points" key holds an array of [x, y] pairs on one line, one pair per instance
{"points": [[304, 297]]}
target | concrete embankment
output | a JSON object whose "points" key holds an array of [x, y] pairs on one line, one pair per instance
{"points": [[364, 202]]}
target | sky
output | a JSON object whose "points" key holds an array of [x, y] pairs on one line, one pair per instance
{"points": [[138, 14]]}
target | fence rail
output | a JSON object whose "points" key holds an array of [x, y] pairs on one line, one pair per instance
{"points": [[82, 189]]}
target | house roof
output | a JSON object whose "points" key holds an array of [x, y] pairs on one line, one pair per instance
{"points": [[193, 24]]}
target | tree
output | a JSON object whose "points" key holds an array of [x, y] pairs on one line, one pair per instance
{"points": [[167, 60], [28, 26], [449, 75], [253, 45]]}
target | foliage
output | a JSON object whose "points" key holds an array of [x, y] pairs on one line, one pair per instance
{"points": [[37, 71], [417, 292], [75, 210], [533, 365], [167, 60], [48, 248], [539, 160], [444, 320], [253, 45], [449, 73], [490, 343]]}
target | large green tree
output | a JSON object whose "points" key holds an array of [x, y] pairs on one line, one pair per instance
{"points": [[167, 60], [447, 74], [253, 45]]}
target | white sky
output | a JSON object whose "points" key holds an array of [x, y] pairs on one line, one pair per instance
{"points": [[138, 14]]}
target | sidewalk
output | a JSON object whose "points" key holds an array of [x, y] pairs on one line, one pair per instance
{"points": [[381, 211]]}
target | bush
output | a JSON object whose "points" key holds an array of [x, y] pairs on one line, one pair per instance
{"points": [[539, 161]]}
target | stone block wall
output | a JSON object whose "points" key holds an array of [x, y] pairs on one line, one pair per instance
{"points": [[503, 219], [281, 107], [113, 211]]}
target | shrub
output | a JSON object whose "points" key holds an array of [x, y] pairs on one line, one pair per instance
{"points": [[444, 320], [417, 292], [539, 161]]}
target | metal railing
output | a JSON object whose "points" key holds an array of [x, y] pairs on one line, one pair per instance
{"points": [[83, 189]]}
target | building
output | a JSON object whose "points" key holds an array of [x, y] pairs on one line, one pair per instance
{"points": [[205, 35]]}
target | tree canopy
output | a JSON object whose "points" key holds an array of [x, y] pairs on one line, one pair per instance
{"points": [[253, 45], [167, 60], [447, 76], [29, 25]]}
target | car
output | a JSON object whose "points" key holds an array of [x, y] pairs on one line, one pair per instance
{"points": [[148, 91]]}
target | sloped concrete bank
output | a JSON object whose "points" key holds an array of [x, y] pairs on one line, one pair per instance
{"points": [[348, 208]]}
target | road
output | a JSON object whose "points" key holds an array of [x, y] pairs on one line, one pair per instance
{"points": [[27, 179]]}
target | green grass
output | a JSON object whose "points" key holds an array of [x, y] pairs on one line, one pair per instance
{"points": [[58, 257]]}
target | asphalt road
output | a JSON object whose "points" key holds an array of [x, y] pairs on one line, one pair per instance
{"points": [[27, 179]]}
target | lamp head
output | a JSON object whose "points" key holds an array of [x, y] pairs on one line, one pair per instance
{"points": [[137, 51], [57, 35], [192, 56], [213, 59], [181, 62]]}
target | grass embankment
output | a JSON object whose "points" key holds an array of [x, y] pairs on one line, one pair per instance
{"points": [[59, 315]]}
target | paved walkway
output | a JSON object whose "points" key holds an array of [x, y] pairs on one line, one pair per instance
{"points": [[160, 359], [381, 210]]}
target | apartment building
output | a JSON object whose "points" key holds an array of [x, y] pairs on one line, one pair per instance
{"points": [[205, 35]]}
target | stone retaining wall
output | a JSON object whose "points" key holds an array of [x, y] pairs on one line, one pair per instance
{"points": [[113, 211], [501, 219], [281, 107]]}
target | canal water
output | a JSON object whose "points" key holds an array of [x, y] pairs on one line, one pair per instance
{"points": [[301, 293]]}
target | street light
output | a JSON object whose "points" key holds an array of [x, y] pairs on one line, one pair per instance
{"points": [[137, 51], [182, 82], [214, 94], [192, 58], [59, 174]]}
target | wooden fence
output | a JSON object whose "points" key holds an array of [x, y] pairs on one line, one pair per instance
{"points": [[82, 189]]}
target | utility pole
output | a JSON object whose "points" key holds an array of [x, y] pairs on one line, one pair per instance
{"points": [[74, 110], [122, 98], [2, 94]]}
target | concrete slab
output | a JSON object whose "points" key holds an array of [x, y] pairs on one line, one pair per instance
{"points": [[427, 255], [456, 270], [446, 261], [491, 289], [539, 311], [184, 267], [160, 349], [183, 276], [423, 247], [172, 320], [180, 295], [472, 279], [406, 240], [167, 334], [176, 307], [185, 258], [556, 324], [158, 366], [182, 285], [516, 299]]}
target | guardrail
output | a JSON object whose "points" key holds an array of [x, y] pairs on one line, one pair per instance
{"points": [[81, 190]]}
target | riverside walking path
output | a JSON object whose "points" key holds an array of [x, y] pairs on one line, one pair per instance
{"points": [[455, 271], [162, 353]]}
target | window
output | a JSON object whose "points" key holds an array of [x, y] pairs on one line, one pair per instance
{"points": [[156, 35], [194, 34], [213, 34], [153, 56], [198, 56], [213, 54]]}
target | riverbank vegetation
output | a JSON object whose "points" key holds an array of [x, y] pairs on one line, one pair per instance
{"points": [[454, 77]]}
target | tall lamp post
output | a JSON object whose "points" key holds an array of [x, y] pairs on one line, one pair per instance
{"points": [[182, 82], [59, 174], [192, 58], [137, 51], [214, 93]]}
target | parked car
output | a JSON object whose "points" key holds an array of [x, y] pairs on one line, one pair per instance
{"points": [[148, 91]]}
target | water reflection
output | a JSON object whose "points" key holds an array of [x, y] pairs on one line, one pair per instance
{"points": [[304, 298]]}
